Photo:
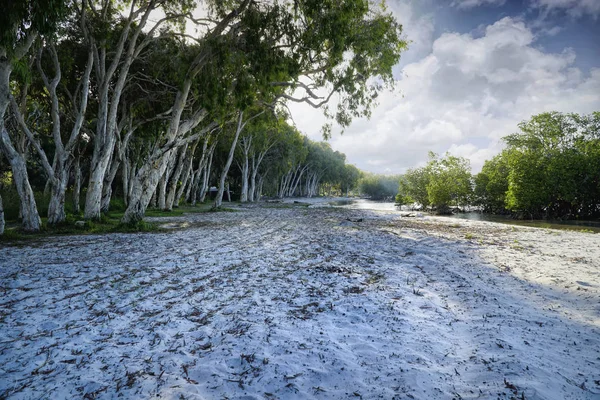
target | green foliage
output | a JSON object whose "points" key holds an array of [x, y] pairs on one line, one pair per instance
{"points": [[413, 187], [549, 169], [349, 178], [21, 16], [379, 187], [442, 183], [449, 182], [491, 185]]}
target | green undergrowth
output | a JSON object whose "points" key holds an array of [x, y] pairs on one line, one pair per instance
{"points": [[108, 223], [77, 226]]}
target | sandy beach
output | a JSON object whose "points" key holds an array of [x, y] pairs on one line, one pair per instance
{"points": [[283, 301]]}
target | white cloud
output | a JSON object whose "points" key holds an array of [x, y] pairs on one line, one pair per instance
{"points": [[464, 97], [476, 3], [575, 8], [418, 30]]}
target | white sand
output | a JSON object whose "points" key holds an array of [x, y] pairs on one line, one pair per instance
{"points": [[298, 303]]}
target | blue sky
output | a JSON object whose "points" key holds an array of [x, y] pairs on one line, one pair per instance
{"points": [[474, 70]]}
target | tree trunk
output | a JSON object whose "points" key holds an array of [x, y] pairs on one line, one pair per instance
{"points": [[246, 144], [108, 181], [197, 175], [143, 187], [195, 187], [31, 219], [252, 182], [219, 198], [206, 173], [98, 166], [29, 213], [1, 217], [125, 179], [244, 194], [132, 173], [56, 207], [186, 182], [154, 200], [77, 186], [172, 189], [261, 181], [161, 192], [297, 181], [110, 88]]}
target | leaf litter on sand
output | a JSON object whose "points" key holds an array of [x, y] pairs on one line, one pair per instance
{"points": [[287, 303]]}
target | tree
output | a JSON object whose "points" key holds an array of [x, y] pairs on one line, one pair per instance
{"points": [[114, 57], [413, 186], [449, 182], [553, 166], [491, 185], [442, 183], [349, 179], [20, 24]]}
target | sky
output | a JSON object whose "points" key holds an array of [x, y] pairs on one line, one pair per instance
{"points": [[473, 71]]}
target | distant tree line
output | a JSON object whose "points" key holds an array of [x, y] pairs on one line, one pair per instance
{"points": [[378, 187], [549, 169]]}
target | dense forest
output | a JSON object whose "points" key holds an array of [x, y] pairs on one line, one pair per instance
{"points": [[549, 169], [107, 99]]}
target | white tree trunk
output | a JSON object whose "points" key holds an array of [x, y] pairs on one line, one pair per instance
{"points": [[77, 186], [27, 206], [172, 189], [132, 173], [108, 180], [252, 182], [161, 192], [56, 207], [186, 193], [110, 88], [261, 181], [206, 173], [143, 187], [29, 213], [225, 171], [246, 144], [1, 217], [297, 181], [125, 179]]}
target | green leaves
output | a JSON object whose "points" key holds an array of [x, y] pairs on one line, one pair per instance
{"points": [[21, 17], [443, 182], [551, 168]]}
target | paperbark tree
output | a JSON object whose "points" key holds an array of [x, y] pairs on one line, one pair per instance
{"points": [[59, 172], [111, 72], [10, 54]]}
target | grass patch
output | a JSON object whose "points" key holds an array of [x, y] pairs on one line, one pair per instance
{"points": [[108, 223], [74, 226]]}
